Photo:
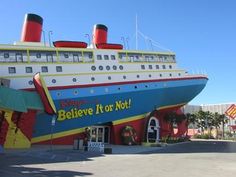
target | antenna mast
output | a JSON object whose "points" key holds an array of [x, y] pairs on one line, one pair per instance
{"points": [[136, 31]]}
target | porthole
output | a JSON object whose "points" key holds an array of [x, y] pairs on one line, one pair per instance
{"points": [[135, 87], [119, 88], [138, 76], [30, 82], [93, 68], [114, 67], [124, 77], [146, 86], [170, 75], [100, 67], [54, 81], [170, 66], [76, 92], [160, 75], [121, 67], [108, 68], [58, 94], [149, 75], [109, 77], [179, 74], [74, 79], [92, 79]]}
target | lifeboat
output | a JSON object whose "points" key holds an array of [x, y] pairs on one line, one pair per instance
{"points": [[70, 44], [110, 46]]}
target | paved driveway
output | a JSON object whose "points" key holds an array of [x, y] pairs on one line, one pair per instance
{"points": [[192, 159]]}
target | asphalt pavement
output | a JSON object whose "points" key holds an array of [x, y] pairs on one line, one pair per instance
{"points": [[195, 158]]}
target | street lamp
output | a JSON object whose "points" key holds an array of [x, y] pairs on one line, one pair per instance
{"points": [[88, 36], [123, 39]]}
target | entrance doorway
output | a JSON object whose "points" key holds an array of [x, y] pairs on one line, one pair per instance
{"points": [[153, 130], [100, 134]]}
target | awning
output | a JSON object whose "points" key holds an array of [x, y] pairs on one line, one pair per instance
{"points": [[19, 100]]}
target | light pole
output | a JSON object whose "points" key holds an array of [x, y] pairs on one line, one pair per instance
{"points": [[88, 36], [44, 40], [127, 41], [123, 39], [49, 37]]}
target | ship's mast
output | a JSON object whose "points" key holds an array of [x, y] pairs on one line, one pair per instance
{"points": [[136, 31]]}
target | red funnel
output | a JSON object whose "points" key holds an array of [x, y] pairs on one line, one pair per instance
{"points": [[32, 28]]}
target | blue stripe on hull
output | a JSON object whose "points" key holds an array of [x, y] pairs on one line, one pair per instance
{"points": [[116, 103]]}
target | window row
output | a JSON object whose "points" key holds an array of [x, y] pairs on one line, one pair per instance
{"points": [[106, 57], [156, 67], [45, 56], [139, 57], [29, 69]]}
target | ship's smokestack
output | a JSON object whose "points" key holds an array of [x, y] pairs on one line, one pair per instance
{"points": [[99, 34], [32, 28]]}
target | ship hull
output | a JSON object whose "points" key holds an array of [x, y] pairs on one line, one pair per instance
{"points": [[87, 106]]}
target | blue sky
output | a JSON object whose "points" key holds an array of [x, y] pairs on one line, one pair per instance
{"points": [[202, 33]]}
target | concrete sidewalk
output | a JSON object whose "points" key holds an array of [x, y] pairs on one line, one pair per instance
{"points": [[116, 149]]}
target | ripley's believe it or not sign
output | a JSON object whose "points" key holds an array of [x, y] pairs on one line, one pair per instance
{"points": [[76, 111]]}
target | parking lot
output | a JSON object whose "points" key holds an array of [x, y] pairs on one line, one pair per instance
{"points": [[195, 158]]}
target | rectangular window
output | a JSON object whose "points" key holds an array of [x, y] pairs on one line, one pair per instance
{"points": [[44, 69], [75, 58], [6, 55], [122, 56], [106, 57], [19, 57], [28, 69], [59, 68], [157, 66], [163, 66], [87, 57], [11, 70], [66, 55], [113, 57], [150, 66], [49, 57], [38, 55], [142, 66], [99, 57]]}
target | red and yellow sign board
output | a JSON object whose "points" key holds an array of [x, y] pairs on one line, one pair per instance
{"points": [[231, 111]]}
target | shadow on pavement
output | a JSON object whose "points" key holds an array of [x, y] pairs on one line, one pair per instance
{"points": [[28, 171], [15, 163]]}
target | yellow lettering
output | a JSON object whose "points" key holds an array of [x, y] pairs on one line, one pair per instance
{"points": [[61, 115]]}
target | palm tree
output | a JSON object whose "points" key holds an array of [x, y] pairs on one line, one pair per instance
{"points": [[173, 118], [191, 119]]}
